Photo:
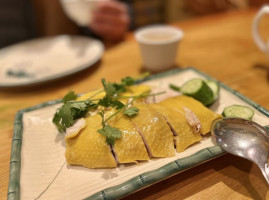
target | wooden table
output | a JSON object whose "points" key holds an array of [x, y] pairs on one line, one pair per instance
{"points": [[219, 45]]}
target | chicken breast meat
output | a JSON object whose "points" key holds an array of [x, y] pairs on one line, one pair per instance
{"points": [[159, 130]]}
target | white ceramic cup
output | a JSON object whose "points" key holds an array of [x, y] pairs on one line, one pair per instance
{"points": [[264, 46], [158, 45], [80, 11]]}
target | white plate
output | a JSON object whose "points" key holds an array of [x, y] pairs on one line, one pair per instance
{"points": [[45, 59], [38, 167]]}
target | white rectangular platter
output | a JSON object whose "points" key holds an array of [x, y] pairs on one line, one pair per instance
{"points": [[38, 168]]}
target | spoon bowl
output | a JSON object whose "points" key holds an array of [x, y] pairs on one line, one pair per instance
{"points": [[243, 138]]}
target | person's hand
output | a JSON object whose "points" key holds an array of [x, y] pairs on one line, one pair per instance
{"points": [[111, 20]]}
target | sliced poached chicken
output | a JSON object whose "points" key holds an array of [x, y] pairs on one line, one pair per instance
{"points": [[151, 133]]}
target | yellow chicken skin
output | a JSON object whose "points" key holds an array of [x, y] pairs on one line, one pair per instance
{"points": [[155, 131], [88, 148], [147, 134], [185, 134], [130, 147], [205, 115], [137, 90], [134, 90]]}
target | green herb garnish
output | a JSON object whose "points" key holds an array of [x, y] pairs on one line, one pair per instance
{"points": [[72, 110], [109, 88], [107, 102], [128, 81], [66, 115], [111, 134], [69, 97], [131, 111]]}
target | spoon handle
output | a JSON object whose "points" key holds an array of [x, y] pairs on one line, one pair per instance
{"points": [[265, 172]]}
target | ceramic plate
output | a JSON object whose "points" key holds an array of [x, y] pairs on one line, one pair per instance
{"points": [[38, 168], [45, 59]]}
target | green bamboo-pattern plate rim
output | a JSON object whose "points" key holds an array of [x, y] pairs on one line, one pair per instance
{"points": [[136, 183]]}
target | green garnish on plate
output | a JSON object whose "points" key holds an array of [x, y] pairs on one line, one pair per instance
{"points": [[72, 110]]}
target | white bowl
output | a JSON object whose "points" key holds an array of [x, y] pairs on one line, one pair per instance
{"points": [[80, 11], [158, 46]]}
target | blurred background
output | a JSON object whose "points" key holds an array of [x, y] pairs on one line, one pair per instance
{"points": [[26, 19]]}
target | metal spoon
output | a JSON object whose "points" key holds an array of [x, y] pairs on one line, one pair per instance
{"points": [[243, 138]]}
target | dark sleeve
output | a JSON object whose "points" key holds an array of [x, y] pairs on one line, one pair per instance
{"points": [[16, 21]]}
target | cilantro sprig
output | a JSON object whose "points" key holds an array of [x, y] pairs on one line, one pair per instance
{"points": [[69, 97], [131, 111], [113, 89], [111, 134], [109, 102], [72, 110], [66, 115]]}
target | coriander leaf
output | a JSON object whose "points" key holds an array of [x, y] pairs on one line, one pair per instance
{"points": [[80, 108], [66, 115], [69, 96], [128, 81], [92, 104], [174, 87], [110, 141], [80, 105], [102, 114], [57, 121], [105, 101], [119, 88], [116, 104], [131, 111], [78, 113], [109, 88], [111, 134], [70, 111]]}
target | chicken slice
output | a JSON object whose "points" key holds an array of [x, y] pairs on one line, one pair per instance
{"points": [[89, 147], [155, 131], [130, 147], [185, 135], [205, 115], [75, 128], [131, 91], [135, 90]]}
